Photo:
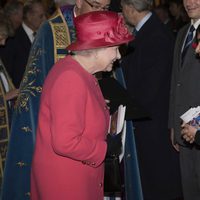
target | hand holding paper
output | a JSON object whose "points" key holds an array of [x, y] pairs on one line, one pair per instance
{"points": [[192, 117], [191, 123]]}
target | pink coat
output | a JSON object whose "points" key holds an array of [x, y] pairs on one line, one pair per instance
{"points": [[70, 142]]}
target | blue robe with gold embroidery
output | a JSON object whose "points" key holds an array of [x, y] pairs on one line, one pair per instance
{"points": [[5, 111], [44, 53]]}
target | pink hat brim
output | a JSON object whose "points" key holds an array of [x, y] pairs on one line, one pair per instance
{"points": [[86, 45]]}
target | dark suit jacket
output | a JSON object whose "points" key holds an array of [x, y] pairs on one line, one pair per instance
{"points": [[185, 86], [147, 68], [15, 55], [147, 71]]}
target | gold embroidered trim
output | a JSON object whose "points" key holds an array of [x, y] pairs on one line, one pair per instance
{"points": [[4, 130], [28, 83], [61, 36], [26, 129], [21, 164]]}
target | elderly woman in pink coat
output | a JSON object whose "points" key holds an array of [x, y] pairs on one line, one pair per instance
{"points": [[68, 162]]}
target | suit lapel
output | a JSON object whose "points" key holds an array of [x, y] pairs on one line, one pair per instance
{"points": [[180, 45]]}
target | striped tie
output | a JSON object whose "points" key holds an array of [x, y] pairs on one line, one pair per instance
{"points": [[188, 41]]}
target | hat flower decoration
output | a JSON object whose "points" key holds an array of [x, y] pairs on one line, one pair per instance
{"points": [[120, 31], [100, 29]]}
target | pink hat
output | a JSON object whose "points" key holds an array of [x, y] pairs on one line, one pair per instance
{"points": [[99, 29]]}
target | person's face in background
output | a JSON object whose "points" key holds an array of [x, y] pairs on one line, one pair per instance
{"points": [[174, 9], [17, 18], [36, 17], [192, 8], [86, 6], [130, 14], [162, 15]]}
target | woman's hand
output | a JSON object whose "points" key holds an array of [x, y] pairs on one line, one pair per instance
{"points": [[11, 94], [188, 132]]}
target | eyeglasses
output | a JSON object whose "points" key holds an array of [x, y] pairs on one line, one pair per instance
{"points": [[97, 6]]}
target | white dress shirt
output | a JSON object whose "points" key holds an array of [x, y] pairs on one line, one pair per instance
{"points": [[29, 32]]}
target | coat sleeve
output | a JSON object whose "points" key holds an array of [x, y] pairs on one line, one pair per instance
{"points": [[68, 106]]}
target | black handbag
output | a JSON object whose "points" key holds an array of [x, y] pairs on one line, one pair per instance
{"points": [[112, 177]]}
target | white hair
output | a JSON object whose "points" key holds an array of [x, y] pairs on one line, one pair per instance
{"points": [[139, 5]]}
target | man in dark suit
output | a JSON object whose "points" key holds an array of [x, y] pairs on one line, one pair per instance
{"points": [[185, 93], [147, 70], [15, 53]]}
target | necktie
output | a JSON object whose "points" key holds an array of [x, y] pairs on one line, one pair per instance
{"points": [[33, 37], [188, 41], [130, 46], [135, 31], [34, 34]]}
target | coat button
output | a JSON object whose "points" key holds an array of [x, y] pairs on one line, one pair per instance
{"points": [[100, 185]]}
